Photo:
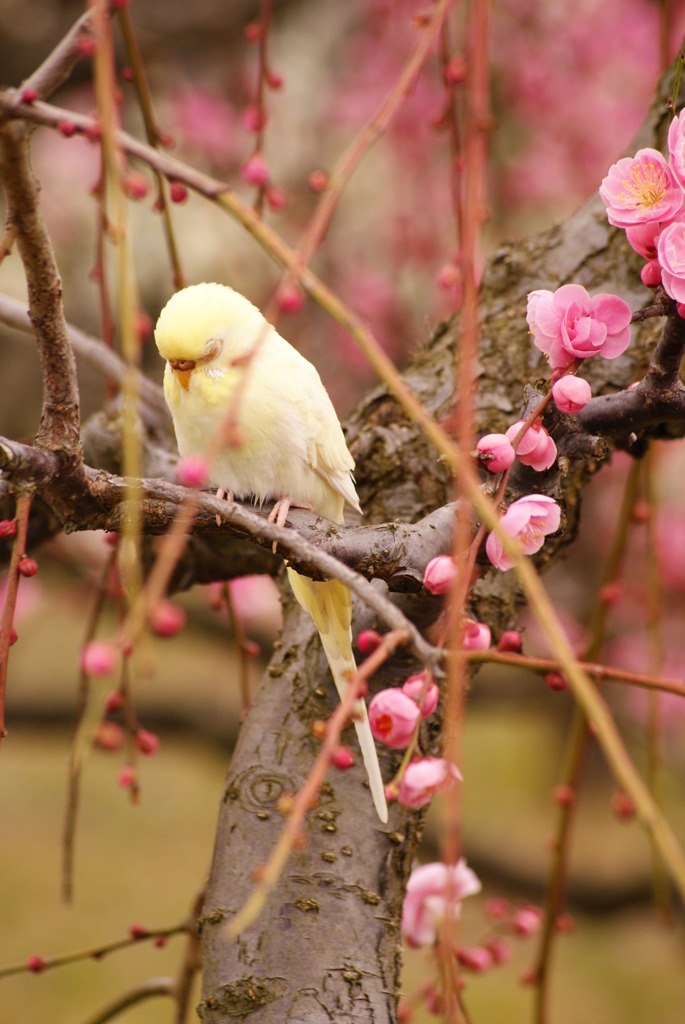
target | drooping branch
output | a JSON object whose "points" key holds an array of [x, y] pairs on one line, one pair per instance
{"points": [[59, 428], [96, 354]]}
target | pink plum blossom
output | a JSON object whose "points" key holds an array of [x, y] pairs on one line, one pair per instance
{"points": [[671, 252], [393, 716], [426, 694], [430, 890], [476, 636], [676, 148], [567, 324], [495, 452], [439, 574], [571, 393], [527, 521], [640, 189], [423, 779], [536, 448]]}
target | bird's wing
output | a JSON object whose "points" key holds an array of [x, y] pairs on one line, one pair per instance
{"points": [[326, 449]]}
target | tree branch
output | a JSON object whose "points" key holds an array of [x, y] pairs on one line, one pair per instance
{"points": [[59, 428], [97, 355]]}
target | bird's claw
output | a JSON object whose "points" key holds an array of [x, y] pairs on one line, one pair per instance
{"points": [[221, 494]]}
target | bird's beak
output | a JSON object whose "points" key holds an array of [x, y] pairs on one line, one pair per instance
{"points": [[183, 369]]}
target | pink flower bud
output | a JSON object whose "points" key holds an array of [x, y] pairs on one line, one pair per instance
{"points": [[342, 757], [393, 717], [290, 299], [405, 1012], [8, 528], [563, 795], [98, 658], [127, 777], [423, 779], [449, 276], [476, 636], [135, 185], [110, 736], [497, 908], [611, 592], [193, 471], [66, 128], [138, 931], [556, 681], [27, 567], [114, 702], [651, 274], [166, 618], [439, 574], [509, 640], [13, 636], [495, 452], [255, 171], [36, 964], [318, 180], [536, 448], [29, 95], [526, 921], [455, 71], [415, 686], [274, 80], [253, 32], [571, 393], [368, 640], [622, 805], [254, 118], [276, 198], [475, 958], [500, 950], [143, 325], [178, 193], [148, 742]]}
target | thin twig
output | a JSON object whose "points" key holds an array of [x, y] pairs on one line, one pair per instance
{"points": [[146, 990], [93, 352], [75, 759], [11, 590], [599, 672], [96, 952]]}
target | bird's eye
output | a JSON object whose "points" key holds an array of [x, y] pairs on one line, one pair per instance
{"points": [[213, 348]]}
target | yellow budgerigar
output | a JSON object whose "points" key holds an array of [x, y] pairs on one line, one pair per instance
{"points": [[224, 357]]}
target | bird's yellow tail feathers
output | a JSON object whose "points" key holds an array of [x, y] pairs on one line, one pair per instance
{"points": [[329, 604]]}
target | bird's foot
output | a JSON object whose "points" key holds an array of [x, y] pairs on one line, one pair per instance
{"points": [[221, 494], [279, 513]]}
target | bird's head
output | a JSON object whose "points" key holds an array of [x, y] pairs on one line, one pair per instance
{"points": [[206, 324]]}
